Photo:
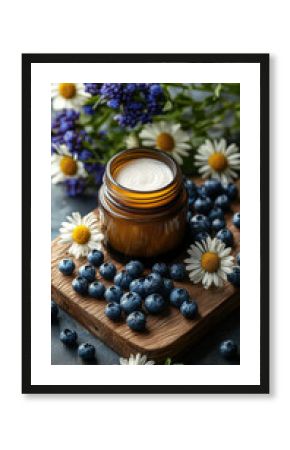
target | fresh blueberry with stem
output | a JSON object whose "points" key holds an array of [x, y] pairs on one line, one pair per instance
{"points": [[155, 303], [88, 272], [153, 284], [189, 309], [108, 271], [96, 289], [178, 296], [216, 213], [203, 205], [134, 268], [138, 286], [201, 236], [136, 321], [131, 301], [86, 351], [223, 202], [66, 266], [234, 276], [113, 294], [213, 188], [80, 285], [199, 222], [123, 279], [96, 258], [161, 268], [68, 337], [177, 271], [167, 287], [236, 220], [217, 225], [231, 191], [226, 236], [54, 310], [113, 311], [228, 349]]}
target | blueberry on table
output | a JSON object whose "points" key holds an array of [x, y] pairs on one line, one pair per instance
{"points": [[68, 337], [123, 279], [96, 289], [189, 309], [167, 287], [113, 294], [108, 271], [226, 236], [178, 296], [134, 268], [234, 276], [231, 191], [200, 222], [86, 351], [138, 286], [161, 268], [201, 236], [213, 188], [54, 310], [223, 202], [217, 225], [80, 285], [216, 213], [66, 266], [203, 205], [155, 303], [88, 272], [177, 271], [131, 301], [96, 258], [153, 283], [113, 311], [136, 321], [228, 349], [236, 220]]}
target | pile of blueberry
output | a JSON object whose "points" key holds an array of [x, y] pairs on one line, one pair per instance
{"points": [[132, 294]]}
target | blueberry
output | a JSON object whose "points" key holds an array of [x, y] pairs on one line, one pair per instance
{"points": [[161, 268], [155, 303], [216, 213], [226, 236], [123, 279], [201, 236], [68, 337], [138, 287], [191, 202], [113, 294], [96, 258], [201, 192], [236, 220], [134, 268], [213, 188], [96, 289], [178, 296], [199, 222], [80, 285], [217, 225], [177, 271], [228, 349], [231, 191], [189, 309], [108, 271], [167, 287], [223, 202], [88, 272], [131, 301], [153, 283], [66, 266], [190, 187], [203, 205], [54, 310], [113, 311], [234, 276], [238, 258], [136, 321], [86, 352]]}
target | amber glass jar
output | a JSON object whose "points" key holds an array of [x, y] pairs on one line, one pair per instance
{"points": [[138, 223]]}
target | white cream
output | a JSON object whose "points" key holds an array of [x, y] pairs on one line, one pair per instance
{"points": [[144, 174]]}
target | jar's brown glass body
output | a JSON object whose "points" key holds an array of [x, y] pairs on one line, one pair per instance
{"points": [[142, 224]]}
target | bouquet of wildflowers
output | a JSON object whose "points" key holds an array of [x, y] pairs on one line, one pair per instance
{"points": [[93, 121]]}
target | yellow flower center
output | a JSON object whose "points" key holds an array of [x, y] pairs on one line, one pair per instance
{"points": [[68, 165], [218, 161], [67, 90], [81, 234], [165, 142], [210, 262]]}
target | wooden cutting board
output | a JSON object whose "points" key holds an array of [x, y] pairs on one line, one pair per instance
{"points": [[167, 334]]}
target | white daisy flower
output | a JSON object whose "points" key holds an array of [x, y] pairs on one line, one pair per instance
{"points": [[68, 95], [84, 233], [64, 166], [132, 141], [166, 136], [216, 160], [209, 262], [136, 360]]}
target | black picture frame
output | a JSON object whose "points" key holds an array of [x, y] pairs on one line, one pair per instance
{"points": [[263, 61]]}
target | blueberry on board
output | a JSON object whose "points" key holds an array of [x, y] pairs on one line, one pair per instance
{"points": [[178, 296], [199, 222], [234, 276], [231, 191], [228, 349], [113, 311], [226, 236], [201, 236], [136, 321], [238, 258], [190, 187], [189, 309], [108, 271], [134, 269], [80, 285], [123, 279], [223, 202], [131, 301], [153, 284], [66, 266], [96, 289], [113, 294], [68, 337], [54, 310], [216, 213], [96, 258], [86, 351], [138, 286], [217, 225], [155, 303], [236, 220], [161, 268], [177, 271], [167, 287], [88, 272], [213, 188], [203, 205]]}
